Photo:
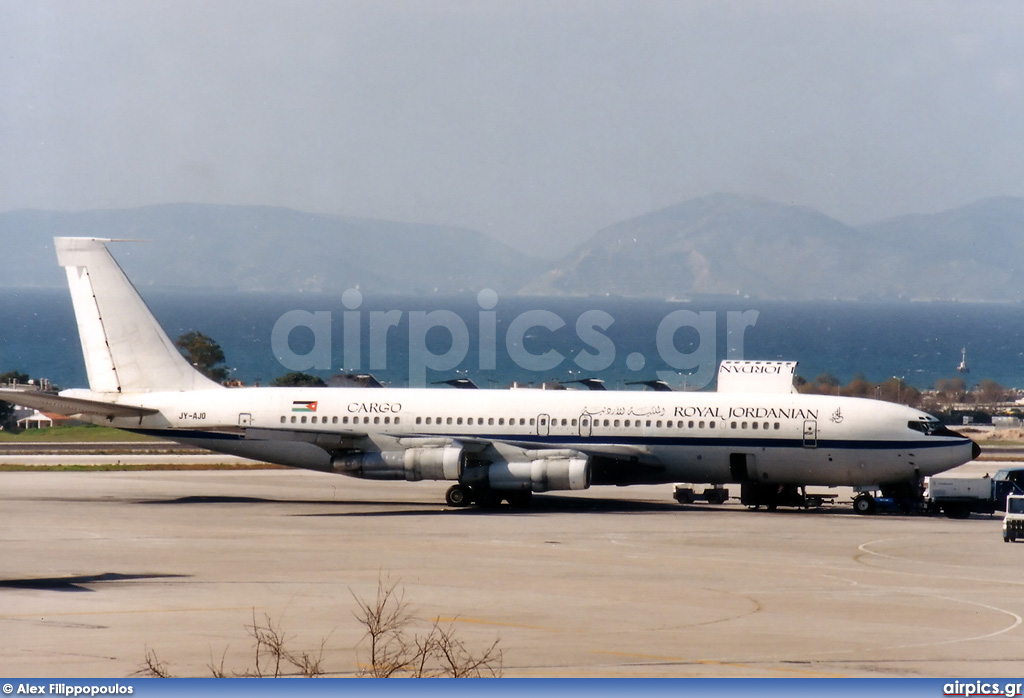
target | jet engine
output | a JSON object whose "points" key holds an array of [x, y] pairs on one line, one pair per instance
{"points": [[541, 474], [420, 463]]}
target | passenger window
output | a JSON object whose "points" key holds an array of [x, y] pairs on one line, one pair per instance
{"points": [[701, 424], [753, 425], [627, 423], [283, 419], [733, 425], [418, 419], [501, 421], [398, 420], [777, 426], [449, 420], [293, 419], [616, 422], [459, 420], [303, 420], [690, 425], [711, 425], [334, 420]]}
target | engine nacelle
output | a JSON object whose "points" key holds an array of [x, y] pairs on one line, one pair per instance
{"points": [[421, 463], [540, 475]]}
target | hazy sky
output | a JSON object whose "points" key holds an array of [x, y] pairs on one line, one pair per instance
{"points": [[537, 122]]}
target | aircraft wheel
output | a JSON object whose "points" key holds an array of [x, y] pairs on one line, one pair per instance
{"points": [[716, 496], [1006, 539], [864, 503], [458, 496]]}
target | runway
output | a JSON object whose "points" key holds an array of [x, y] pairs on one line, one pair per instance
{"points": [[98, 568]]}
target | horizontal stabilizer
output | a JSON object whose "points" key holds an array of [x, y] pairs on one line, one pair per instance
{"points": [[756, 377], [50, 402]]}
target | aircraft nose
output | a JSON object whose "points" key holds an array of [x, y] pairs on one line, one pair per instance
{"points": [[975, 450]]}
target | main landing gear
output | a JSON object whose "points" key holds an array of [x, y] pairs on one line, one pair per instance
{"points": [[459, 496], [864, 503]]}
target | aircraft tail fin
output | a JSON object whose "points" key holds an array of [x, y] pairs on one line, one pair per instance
{"points": [[756, 376], [126, 350]]}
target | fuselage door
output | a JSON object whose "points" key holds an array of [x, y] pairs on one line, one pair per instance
{"points": [[543, 424], [586, 425], [810, 433], [245, 419]]}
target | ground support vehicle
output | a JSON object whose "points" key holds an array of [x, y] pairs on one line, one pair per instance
{"points": [[686, 494], [956, 497], [756, 495], [1013, 519]]}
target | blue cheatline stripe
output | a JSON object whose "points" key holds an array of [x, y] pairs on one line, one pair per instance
{"points": [[612, 440], [725, 441]]}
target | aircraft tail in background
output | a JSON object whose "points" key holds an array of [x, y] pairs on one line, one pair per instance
{"points": [[126, 350]]}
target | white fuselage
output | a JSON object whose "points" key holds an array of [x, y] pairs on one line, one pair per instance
{"points": [[665, 437]]}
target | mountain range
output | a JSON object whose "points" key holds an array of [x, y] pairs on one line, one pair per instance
{"points": [[721, 245]]}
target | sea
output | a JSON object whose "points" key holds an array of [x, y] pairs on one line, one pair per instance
{"points": [[496, 341]]}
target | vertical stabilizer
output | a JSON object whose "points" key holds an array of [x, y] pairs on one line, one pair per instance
{"points": [[126, 350]]}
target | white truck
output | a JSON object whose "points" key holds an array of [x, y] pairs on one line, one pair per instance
{"points": [[959, 497], [1013, 520]]}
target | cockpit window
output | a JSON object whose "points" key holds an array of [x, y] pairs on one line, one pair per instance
{"points": [[930, 428]]}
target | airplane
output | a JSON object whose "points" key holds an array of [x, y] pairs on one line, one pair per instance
{"points": [[493, 445]]}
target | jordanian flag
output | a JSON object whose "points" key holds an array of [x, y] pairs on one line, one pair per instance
{"points": [[304, 406]]}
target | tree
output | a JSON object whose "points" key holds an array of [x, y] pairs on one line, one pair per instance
{"points": [[988, 391], [827, 381], [951, 389], [397, 650], [400, 645], [859, 387], [296, 379], [203, 353], [896, 390]]}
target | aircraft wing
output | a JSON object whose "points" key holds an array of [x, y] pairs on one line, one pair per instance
{"points": [[606, 450], [51, 402]]}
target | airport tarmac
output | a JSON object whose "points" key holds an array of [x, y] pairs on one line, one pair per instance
{"points": [[96, 568]]}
